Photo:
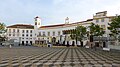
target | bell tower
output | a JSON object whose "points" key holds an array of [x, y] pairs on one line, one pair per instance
{"points": [[37, 22], [67, 20], [37, 25]]}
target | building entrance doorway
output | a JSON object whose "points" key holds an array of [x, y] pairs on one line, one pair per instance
{"points": [[73, 43], [22, 42], [26, 43], [63, 43], [54, 41], [97, 44], [104, 44], [81, 44], [30, 42]]}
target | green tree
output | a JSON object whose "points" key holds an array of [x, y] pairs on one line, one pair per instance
{"points": [[79, 33], [96, 30], [114, 28], [2, 28], [2, 31], [92, 29]]}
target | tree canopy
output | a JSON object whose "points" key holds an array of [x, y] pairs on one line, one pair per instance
{"points": [[96, 30], [2, 30], [114, 26], [2, 27], [79, 33]]}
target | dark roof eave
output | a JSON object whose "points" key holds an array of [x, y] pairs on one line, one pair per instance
{"points": [[23, 26]]}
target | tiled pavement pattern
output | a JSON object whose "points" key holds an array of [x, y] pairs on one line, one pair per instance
{"points": [[57, 57]]}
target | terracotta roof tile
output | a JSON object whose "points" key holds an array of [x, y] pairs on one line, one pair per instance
{"points": [[23, 26], [52, 25], [64, 24]]}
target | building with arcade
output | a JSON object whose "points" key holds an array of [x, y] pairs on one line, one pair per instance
{"points": [[56, 34]]}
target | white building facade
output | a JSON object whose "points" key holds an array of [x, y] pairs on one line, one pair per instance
{"points": [[23, 34], [55, 34]]}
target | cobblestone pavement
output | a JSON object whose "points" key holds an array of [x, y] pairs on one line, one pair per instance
{"points": [[57, 57]]}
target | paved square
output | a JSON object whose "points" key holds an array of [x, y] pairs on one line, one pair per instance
{"points": [[57, 57]]}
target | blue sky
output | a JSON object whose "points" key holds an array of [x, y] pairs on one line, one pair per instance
{"points": [[53, 11]]}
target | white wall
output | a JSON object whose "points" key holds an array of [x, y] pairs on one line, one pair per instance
{"points": [[18, 35]]}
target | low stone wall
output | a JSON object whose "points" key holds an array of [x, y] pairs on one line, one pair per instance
{"points": [[117, 47]]}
